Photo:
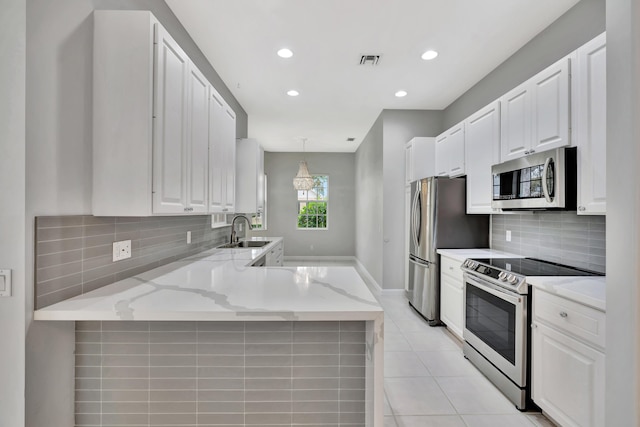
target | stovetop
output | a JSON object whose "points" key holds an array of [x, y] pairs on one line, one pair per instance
{"points": [[511, 273], [535, 267]]}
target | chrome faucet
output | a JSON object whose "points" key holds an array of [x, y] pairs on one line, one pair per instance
{"points": [[234, 238]]}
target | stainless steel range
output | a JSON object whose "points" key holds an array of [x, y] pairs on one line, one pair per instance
{"points": [[496, 319]]}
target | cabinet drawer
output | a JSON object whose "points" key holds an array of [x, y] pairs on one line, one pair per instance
{"points": [[578, 320], [451, 267]]}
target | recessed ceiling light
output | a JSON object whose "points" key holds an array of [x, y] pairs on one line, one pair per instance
{"points": [[430, 54], [285, 53], [401, 93], [293, 93]]}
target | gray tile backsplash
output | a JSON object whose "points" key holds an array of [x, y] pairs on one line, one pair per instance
{"points": [[564, 237], [73, 254], [220, 374]]}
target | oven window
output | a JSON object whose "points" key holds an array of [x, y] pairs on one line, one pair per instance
{"points": [[493, 320]]}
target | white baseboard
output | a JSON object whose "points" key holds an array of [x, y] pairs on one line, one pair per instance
{"points": [[319, 258], [368, 278]]}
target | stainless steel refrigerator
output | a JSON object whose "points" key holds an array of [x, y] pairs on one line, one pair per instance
{"points": [[438, 220]]}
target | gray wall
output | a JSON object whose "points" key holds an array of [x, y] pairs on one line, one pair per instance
{"points": [[58, 164], [623, 214], [369, 201], [380, 198], [578, 25], [339, 239], [12, 212], [399, 127], [562, 237]]}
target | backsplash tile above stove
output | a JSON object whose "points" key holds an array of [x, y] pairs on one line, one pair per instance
{"points": [[563, 237]]}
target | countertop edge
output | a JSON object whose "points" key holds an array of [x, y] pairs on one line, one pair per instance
{"points": [[588, 291]]}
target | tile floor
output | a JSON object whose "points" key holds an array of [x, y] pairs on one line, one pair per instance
{"points": [[428, 382]]}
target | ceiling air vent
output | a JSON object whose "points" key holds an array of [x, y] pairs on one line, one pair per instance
{"points": [[369, 59]]}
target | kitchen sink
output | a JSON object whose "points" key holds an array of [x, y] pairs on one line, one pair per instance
{"points": [[245, 244]]}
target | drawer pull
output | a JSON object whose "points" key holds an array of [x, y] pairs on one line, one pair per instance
{"points": [[451, 268], [563, 314]]}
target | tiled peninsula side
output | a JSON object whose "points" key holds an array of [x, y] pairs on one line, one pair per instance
{"points": [[220, 373], [211, 341]]}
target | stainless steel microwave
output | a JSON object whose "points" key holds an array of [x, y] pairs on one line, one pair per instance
{"points": [[545, 180]]}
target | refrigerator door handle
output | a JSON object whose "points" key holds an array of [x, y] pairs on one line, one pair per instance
{"points": [[416, 218], [424, 264]]}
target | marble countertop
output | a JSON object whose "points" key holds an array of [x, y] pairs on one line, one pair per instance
{"points": [[462, 254], [590, 291], [219, 285]]}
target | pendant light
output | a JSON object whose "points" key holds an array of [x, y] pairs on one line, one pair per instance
{"points": [[303, 180]]}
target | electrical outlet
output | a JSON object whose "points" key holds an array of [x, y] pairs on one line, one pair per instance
{"points": [[508, 237], [240, 227], [188, 237], [121, 250]]}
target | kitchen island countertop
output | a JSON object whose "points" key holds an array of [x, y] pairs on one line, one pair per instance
{"points": [[220, 285]]}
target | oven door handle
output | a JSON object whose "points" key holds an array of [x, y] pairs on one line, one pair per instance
{"points": [[493, 289]]}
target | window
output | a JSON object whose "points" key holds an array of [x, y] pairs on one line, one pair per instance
{"points": [[313, 204]]}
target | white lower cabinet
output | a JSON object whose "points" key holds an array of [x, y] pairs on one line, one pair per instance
{"points": [[275, 256], [568, 373], [452, 295]]}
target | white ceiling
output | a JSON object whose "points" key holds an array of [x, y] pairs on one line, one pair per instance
{"points": [[338, 97]]}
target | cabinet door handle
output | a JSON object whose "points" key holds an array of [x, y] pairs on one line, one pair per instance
{"points": [[563, 314], [582, 208], [527, 152]]}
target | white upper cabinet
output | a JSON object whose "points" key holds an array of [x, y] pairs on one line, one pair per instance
{"points": [[589, 108], [550, 99], [515, 122], [535, 114], [222, 155], [151, 126], [250, 176], [482, 150], [170, 145], [419, 159], [450, 152], [198, 141]]}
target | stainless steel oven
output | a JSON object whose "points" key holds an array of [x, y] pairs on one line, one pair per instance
{"points": [[496, 319], [495, 327]]}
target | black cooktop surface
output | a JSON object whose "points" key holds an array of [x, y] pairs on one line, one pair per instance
{"points": [[535, 267]]}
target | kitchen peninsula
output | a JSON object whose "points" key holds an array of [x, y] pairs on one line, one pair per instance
{"points": [[211, 340]]}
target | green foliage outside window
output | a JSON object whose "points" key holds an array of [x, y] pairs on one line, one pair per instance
{"points": [[313, 215], [312, 204]]}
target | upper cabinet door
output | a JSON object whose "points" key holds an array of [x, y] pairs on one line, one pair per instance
{"points": [[218, 173], [442, 155], [170, 140], [230, 158], [515, 122], [198, 141], [456, 150], [589, 107], [408, 163], [450, 152], [550, 107], [482, 150]]}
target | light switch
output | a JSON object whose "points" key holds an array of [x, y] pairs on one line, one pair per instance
{"points": [[5, 283]]}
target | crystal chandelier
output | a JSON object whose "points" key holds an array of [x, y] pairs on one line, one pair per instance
{"points": [[303, 180]]}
